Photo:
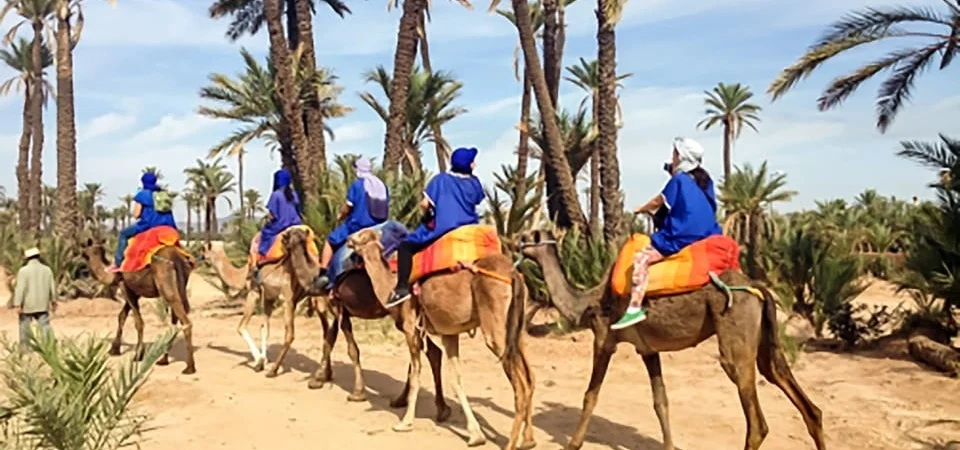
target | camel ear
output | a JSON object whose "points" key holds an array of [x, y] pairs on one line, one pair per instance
{"points": [[89, 242]]}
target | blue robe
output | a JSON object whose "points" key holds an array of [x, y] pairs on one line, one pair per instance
{"points": [[455, 198], [691, 215], [359, 217], [149, 218], [285, 215]]}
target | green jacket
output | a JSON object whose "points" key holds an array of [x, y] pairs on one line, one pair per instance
{"points": [[36, 289]]}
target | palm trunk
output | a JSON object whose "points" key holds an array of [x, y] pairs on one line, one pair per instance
{"points": [[214, 222], [293, 30], [240, 181], [727, 141], [189, 219], [36, 154], [23, 174], [438, 141], [403, 58], [557, 161], [291, 109], [314, 119], [607, 127], [561, 43], [66, 127], [551, 60], [523, 147], [595, 189]]}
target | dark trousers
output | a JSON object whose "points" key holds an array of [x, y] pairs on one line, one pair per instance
{"points": [[405, 253], [42, 318]]}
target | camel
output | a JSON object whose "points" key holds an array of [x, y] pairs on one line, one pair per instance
{"points": [[165, 277], [234, 278], [353, 296], [288, 281], [746, 332], [490, 295]]}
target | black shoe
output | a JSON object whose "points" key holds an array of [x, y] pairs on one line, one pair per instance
{"points": [[321, 281], [399, 295], [256, 277]]}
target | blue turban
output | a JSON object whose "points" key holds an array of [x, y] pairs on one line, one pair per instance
{"points": [[149, 181], [281, 179], [461, 159]]}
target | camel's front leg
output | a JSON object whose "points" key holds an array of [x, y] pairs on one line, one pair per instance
{"points": [[324, 373], [601, 362], [249, 305], [451, 347], [414, 344], [121, 320], [289, 313], [268, 306], [359, 393], [660, 404]]}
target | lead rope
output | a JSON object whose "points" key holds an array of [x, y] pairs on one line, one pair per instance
{"points": [[728, 290]]}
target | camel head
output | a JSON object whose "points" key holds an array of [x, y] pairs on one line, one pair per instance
{"points": [[208, 254], [295, 238], [360, 239], [94, 251], [538, 243]]}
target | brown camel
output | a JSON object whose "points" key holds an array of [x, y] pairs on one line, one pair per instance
{"points": [[746, 332], [491, 295], [165, 277], [353, 296], [287, 281], [236, 279]]}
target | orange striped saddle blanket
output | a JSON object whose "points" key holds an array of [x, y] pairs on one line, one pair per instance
{"points": [[465, 244], [685, 271], [142, 247], [277, 250]]}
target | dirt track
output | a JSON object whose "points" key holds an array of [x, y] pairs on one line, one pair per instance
{"points": [[868, 402]]}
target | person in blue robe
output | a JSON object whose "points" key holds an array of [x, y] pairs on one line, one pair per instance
{"points": [[149, 214], [367, 205], [450, 201], [283, 210], [691, 215]]}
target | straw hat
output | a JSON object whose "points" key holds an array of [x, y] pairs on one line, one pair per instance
{"points": [[31, 252]]}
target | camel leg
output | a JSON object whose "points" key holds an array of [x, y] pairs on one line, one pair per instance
{"points": [[268, 306], [165, 359], [660, 404], [359, 393], [435, 358], [773, 366], [138, 325], [451, 347], [324, 373], [121, 321], [289, 314], [414, 344], [181, 314], [601, 362], [249, 306], [737, 357]]}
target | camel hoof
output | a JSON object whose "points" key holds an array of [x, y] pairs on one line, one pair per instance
{"points": [[357, 397], [190, 370], [258, 367], [477, 440], [272, 374], [164, 361], [403, 427], [527, 445], [573, 446], [114, 350], [399, 402], [443, 413], [316, 384]]}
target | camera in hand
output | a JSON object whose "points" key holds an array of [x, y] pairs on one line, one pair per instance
{"points": [[667, 167]]}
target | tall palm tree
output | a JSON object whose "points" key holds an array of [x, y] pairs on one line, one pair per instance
{"points": [[941, 30], [248, 17], [192, 200], [564, 194], [20, 59], [729, 105], [403, 59], [251, 99], [747, 197], [429, 105], [608, 14], [254, 203], [89, 200], [586, 76], [38, 14], [290, 105], [211, 181]]}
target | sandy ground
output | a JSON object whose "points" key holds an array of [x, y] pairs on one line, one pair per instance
{"points": [[868, 401]]}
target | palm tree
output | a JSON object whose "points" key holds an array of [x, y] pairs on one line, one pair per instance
{"points": [[38, 14], [403, 59], [586, 76], [729, 105], [19, 58], [211, 181], [254, 204], [128, 204], [871, 25], [747, 197], [192, 201], [250, 98], [248, 17], [561, 189], [429, 105]]}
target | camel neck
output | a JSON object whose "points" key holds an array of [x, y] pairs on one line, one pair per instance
{"points": [[382, 279], [569, 301]]}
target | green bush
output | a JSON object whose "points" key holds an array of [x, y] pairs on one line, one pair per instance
{"points": [[65, 395]]}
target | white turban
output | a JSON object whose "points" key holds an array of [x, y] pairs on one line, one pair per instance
{"points": [[690, 154]]}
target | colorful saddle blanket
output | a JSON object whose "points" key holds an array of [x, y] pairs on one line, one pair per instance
{"points": [[142, 247], [465, 244], [685, 271], [343, 261], [276, 251]]}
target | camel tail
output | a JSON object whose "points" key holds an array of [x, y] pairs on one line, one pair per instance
{"points": [[773, 365], [515, 317], [182, 271]]}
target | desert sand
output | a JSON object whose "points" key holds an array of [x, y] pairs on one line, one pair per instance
{"points": [[869, 400]]}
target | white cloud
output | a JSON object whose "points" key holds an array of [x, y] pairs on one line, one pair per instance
{"points": [[356, 131], [495, 107], [172, 128], [109, 123]]}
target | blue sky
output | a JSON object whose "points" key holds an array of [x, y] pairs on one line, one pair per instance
{"points": [[141, 63]]}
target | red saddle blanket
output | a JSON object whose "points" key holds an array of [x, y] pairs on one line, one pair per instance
{"points": [[142, 247]]}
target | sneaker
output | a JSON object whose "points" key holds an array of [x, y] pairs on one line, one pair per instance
{"points": [[321, 281], [113, 268], [398, 296], [632, 317], [256, 277]]}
